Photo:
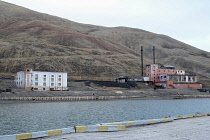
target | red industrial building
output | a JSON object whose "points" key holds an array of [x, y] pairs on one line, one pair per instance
{"points": [[167, 77]]}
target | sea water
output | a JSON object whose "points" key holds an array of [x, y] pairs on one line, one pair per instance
{"points": [[25, 117]]}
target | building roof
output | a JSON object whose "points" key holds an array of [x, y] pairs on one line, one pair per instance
{"points": [[44, 71], [168, 67], [49, 72], [123, 76], [179, 75]]}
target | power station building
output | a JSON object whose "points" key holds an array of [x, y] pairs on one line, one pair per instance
{"points": [[38, 80], [168, 77]]}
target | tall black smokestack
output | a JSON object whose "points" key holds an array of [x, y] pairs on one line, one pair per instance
{"points": [[142, 65], [153, 54]]}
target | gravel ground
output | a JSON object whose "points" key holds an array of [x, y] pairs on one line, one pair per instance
{"points": [[185, 129]]}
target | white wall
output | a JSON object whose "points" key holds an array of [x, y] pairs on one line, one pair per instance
{"points": [[42, 80], [49, 80], [182, 72], [19, 79]]}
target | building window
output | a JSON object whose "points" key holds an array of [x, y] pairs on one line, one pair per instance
{"points": [[59, 84], [36, 83], [36, 77], [52, 79], [44, 79], [52, 75], [44, 84], [59, 79], [59, 76], [52, 84]]}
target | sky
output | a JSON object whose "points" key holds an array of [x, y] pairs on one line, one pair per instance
{"points": [[185, 20]]}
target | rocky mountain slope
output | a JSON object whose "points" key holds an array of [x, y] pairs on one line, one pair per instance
{"points": [[49, 43]]}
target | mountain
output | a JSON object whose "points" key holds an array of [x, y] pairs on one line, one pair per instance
{"points": [[49, 43]]}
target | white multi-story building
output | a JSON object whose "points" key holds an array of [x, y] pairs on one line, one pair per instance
{"points": [[38, 80]]}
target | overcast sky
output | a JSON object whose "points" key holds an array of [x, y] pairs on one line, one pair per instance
{"points": [[185, 20]]}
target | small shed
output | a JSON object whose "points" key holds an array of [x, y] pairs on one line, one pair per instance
{"points": [[122, 79]]}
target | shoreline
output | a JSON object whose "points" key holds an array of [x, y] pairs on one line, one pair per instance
{"points": [[7, 101], [94, 95], [48, 101]]}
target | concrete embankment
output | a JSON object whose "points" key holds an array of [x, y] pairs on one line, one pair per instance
{"points": [[102, 94], [103, 127], [196, 128]]}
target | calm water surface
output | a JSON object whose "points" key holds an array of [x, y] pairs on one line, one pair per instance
{"points": [[31, 117]]}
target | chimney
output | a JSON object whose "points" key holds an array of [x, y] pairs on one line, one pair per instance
{"points": [[142, 65], [153, 54]]}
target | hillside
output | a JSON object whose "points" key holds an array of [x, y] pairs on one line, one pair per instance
{"points": [[168, 51], [49, 43]]}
